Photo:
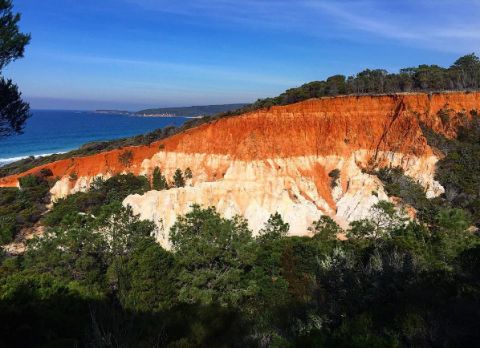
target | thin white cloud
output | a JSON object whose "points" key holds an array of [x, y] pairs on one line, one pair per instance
{"points": [[280, 14], [447, 25], [353, 19], [443, 25]]}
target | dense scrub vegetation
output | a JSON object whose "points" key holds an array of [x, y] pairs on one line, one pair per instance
{"points": [[102, 280], [464, 74], [458, 171], [22, 208], [98, 278]]}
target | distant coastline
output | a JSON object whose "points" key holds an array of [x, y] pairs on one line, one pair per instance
{"points": [[135, 114], [186, 112], [57, 131], [114, 112]]}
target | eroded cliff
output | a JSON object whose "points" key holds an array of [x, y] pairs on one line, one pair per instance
{"points": [[279, 159]]}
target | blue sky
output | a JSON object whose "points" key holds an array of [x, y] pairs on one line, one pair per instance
{"points": [[130, 54]]}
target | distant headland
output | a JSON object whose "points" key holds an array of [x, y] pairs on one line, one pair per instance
{"points": [[189, 111]]}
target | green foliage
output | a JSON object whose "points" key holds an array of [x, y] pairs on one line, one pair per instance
{"points": [[41, 310], [118, 187], [105, 279], [102, 192], [126, 158], [114, 253], [453, 220], [275, 228], [13, 41], [188, 173], [335, 175], [463, 74], [457, 171], [97, 276], [444, 116], [178, 179], [214, 256], [159, 182], [451, 236], [397, 184], [151, 278], [13, 111], [325, 229], [384, 220], [22, 208]]}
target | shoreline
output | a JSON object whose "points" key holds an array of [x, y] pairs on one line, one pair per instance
{"points": [[132, 114], [8, 160]]}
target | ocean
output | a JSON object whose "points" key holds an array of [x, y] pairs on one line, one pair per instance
{"points": [[55, 131]]}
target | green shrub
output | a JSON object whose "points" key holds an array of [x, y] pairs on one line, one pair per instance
{"points": [[159, 182], [178, 179], [22, 208], [126, 158], [334, 175], [102, 193]]}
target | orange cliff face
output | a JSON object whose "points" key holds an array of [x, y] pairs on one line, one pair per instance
{"points": [[278, 159], [328, 126]]}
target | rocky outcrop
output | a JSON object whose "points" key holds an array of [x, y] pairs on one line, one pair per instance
{"points": [[279, 159], [299, 188]]}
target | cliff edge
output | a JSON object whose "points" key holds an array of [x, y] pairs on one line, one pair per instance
{"points": [[279, 159]]}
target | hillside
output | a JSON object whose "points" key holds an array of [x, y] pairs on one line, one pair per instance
{"points": [[190, 111], [463, 76], [287, 224], [279, 159], [343, 212]]}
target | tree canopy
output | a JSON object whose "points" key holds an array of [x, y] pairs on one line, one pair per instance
{"points": [[13, 111]]}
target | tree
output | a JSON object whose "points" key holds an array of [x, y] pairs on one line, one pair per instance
{"points": [[325, 228], [159, 182], [336, 85], [450, 235], [188, 173], [275, 228], [13, 111], [453, 220], [214, 255], [467, 69], [150, 271], [178, 179], [384, 219], [118, 187]]}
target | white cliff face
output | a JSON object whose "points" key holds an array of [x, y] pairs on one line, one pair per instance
{"points": [[298, 188], [66, 185]]}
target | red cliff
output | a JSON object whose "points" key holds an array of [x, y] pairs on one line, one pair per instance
{"points": [[327, 126], [278, 159]]}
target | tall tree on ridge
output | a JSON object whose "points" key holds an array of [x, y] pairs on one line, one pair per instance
{"points": [[13, 110]]}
